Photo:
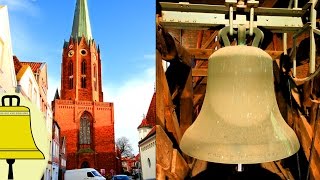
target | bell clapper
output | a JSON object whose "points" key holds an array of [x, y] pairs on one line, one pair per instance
{"points": [[239, 168], [10, 173]]}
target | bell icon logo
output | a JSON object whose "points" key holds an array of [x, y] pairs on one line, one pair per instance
{"points": [[24, 146]]}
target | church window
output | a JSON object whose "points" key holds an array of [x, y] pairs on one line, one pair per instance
{"points": [[70, 68], [95, 71], [70, 82], [83, 52], [85, 129], [83, 67], [83, 82]]}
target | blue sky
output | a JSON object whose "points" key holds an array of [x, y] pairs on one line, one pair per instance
{"points": [[125, 31]]}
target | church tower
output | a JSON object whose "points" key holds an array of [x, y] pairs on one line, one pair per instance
{"points": [[81, 64], [85, 120]]}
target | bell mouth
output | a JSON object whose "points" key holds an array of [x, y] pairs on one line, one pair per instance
{"points": [[21, 154]]}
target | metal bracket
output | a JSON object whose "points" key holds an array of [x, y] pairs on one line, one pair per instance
{"points": [[225, 32]]}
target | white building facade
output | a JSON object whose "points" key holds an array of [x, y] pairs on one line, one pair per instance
{"points": [[28, 85], [8, 78], [148, 156]]}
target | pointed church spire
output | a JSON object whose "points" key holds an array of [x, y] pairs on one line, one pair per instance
{"points": [[56, 96], [81, 22]]}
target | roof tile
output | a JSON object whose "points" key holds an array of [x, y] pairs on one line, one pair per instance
{"points": [[35, 66], [150, 119]]}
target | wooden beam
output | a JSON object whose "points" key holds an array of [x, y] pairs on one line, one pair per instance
{"points": [[166, 116], [274, 54], [268, 3], [186, 104], [199, 72], [198, 166], [179, 167], [200, 54], [210, 40], [170, 49], [172, 123], [305, 133], [160, 120], [164, 174], [164, 148]]}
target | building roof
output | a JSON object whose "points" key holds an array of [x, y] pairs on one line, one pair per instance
{"points": [[151, 133], [81, 22], [150, 119], [17, 64], [21, 72], [35, 66]]}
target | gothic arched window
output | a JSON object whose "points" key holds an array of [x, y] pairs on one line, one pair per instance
{"points": [[85, 128], [83, 67], [70, 68], [83, 82]]}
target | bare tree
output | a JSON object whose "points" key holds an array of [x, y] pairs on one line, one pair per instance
{"points": [[124, 146]]}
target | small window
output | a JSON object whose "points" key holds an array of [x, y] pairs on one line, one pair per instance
{"points": [[149, 163], [83, 67], [70, 82], [83, 82], [89, 174], [70, 67]]}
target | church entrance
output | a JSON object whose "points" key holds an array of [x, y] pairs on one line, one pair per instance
{"points": [[85, 164]]}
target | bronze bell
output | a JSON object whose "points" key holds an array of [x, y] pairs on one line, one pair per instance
{"points": [[240, 122]]}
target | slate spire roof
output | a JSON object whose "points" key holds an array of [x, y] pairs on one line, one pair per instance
{"points": [[150, 119], [81, 22]]}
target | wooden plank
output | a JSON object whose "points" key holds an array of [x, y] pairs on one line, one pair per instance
{"points": [[160, 79], [286, 173], [199, 91], [274, 54], [166, 116], [209, 40], [160, 173], [170, 49], [179, 166], [304, 133], [164, 148], [186, 104], [268, 3], [164, 174], [172, 124], [200, 54], [272, 167], [199, 72], [198, 166]]}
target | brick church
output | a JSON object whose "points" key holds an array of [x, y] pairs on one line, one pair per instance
{"points": [[84, 119]]}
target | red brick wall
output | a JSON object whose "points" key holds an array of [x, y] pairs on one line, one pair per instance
{"points": [[68, 113], [74, 102], [78, 93]]}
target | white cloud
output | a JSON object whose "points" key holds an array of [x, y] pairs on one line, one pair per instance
{"points": [[26, 6], [131, 101]]}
